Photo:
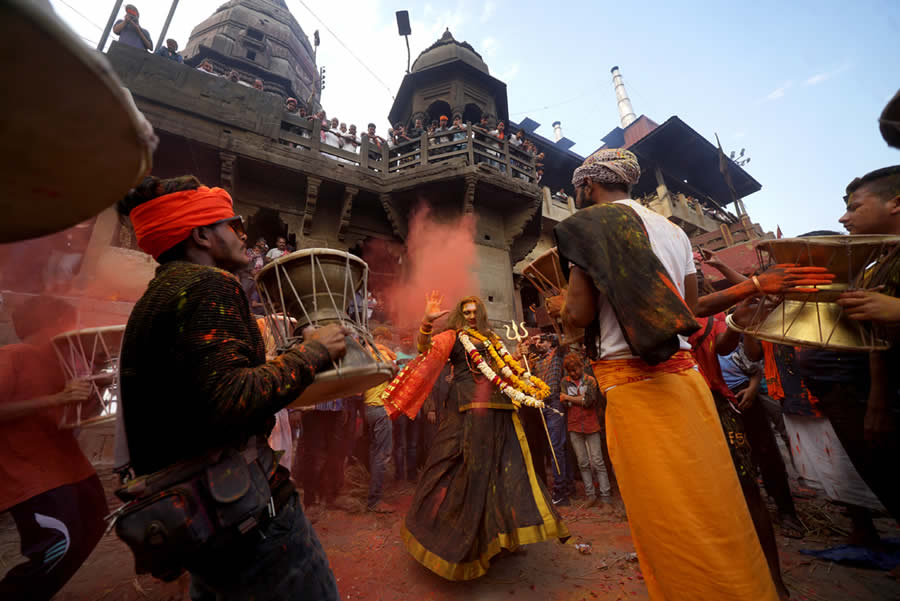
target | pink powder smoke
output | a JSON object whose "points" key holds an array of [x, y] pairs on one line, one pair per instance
{"points": [[440, 255]]}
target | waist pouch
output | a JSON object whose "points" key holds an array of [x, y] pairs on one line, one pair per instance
{"points": [[172, 515]]}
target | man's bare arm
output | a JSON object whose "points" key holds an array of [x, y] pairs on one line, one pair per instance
{"points": [[581, 300], [74, 392]]}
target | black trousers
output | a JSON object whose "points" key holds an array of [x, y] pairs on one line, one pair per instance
{"points": [[766, 454], [283, 560], [58, 530], [323, 455], [876, 464]]}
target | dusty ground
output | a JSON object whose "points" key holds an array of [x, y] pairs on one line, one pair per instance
{"points": [[370, 562]]}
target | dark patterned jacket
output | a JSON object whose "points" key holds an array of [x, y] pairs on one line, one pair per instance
{"points": [[193, 371]]}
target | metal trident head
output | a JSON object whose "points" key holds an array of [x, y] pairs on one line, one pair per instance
{"points": [[517, 334]]}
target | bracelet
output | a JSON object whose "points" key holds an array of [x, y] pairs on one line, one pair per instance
{"points": [[425, 332], [756, 283]]}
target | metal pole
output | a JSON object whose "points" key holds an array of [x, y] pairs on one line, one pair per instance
{"points": [[109, 25], [165, 29], [406, 37]]}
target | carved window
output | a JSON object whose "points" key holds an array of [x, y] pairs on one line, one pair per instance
{"points": [[255, 34]]}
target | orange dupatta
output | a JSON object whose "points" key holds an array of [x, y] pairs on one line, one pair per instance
{"points": [[407, 392]]}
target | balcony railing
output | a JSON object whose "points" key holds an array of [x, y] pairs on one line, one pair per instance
{"points": [[469, 146]]}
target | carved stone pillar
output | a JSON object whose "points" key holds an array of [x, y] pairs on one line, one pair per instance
{"points": [[398, 223], [227, 170], [312, 197], [469, 198], [346, 205]]}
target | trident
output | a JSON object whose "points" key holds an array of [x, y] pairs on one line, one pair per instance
{"points": [[520, 335]]}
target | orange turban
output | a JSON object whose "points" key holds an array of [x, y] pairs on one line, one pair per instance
{"points": [[163, 222]]}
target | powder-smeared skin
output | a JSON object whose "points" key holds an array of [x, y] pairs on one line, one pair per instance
{"points": [[193, 367], [776, 280]]}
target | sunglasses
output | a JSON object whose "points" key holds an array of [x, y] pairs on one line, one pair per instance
{"points": [[236, 224]]}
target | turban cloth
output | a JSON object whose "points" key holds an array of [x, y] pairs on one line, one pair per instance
{"points": [[163, 222], [609, 166]]}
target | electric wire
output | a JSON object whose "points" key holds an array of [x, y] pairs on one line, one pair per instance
{"points": [[339, 41], [74, 10]]}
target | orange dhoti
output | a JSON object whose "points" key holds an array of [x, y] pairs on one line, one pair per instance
{"points": [[689, 521]]}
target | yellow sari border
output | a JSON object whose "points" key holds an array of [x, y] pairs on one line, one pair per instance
{"points": [[526, 535], [469, 570]]}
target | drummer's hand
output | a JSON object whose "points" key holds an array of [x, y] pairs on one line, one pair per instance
{"points": [[331, 336], [869, 305], [74, 392], [788, 277], [433, 309], [751, 311], [710, 258]]}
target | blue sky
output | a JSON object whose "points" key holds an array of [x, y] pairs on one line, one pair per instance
{"points": [[800, 85]]}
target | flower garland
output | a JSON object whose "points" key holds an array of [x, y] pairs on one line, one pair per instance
{"points": [[521, 379], [517, 396]]}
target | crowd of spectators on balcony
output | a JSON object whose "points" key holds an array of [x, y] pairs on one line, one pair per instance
{"points": [[335, 133], [399, 140]]}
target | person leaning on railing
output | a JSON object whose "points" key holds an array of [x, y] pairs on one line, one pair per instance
{"points": [[416, 131]]}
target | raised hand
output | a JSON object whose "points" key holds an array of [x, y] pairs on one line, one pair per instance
{"points": [[789, 277], [709, 257], [433, 311]]}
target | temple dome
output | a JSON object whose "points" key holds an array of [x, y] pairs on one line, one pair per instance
{"points": [[258, 38], [447, 50]]}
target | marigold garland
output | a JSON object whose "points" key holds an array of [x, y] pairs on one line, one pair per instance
{"points": [[521, 379], [517, 396]]}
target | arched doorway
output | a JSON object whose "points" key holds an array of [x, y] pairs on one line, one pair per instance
{"points": [[265, 223], [436, 109], [472, 114]]}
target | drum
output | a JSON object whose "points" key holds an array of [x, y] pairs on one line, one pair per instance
{"points": [[815, 320], [92, 354], [72, 141], [317, 287], [546, 274]]}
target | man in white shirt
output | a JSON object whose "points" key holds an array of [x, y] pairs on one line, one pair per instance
{"points": [[207, 67], [353, 139], [634, 274], [279, 251]]}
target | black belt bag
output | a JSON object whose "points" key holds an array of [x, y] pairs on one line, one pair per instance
{"points": [[174, 513]]}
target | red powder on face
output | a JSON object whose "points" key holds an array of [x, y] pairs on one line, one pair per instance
{"points": [[439, 255]]}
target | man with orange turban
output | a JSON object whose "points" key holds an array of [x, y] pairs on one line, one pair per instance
{"points": [[195, 381]]}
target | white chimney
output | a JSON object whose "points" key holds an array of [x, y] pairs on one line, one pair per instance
{"points": [[557, 131], [626, 113]]}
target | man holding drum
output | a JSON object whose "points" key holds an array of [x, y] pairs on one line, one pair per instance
{"points": [[862, 398], [194, 379], [48, 485]]}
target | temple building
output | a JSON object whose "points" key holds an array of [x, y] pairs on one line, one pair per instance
{"points": [[287, 181]]}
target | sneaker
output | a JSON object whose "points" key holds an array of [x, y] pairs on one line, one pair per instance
{"points": [[561, 502], [591, 502]]}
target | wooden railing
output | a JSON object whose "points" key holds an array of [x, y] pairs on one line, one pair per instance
{"points": [[469, 146]]}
